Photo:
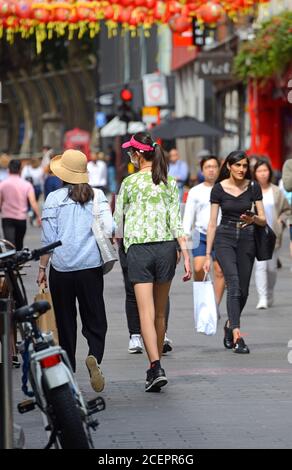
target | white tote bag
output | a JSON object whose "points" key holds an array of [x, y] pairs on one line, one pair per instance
{"points": [[205, 308], [106, 248]]}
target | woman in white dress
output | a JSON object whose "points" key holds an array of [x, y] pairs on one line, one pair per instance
{"points": [[277, 212]]}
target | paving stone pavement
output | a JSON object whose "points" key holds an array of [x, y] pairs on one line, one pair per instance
{"points": [[214, 399]]}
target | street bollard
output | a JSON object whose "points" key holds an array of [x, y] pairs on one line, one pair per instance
{"points": [[6, 419]]}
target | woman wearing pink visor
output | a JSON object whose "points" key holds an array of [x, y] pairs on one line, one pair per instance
{"points": [[148, 218]]}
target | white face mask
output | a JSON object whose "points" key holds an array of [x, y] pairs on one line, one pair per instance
{"points": [[135, 161]]}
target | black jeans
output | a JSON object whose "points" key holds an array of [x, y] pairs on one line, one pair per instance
{"points": [[87, 287], [132, 312], [14, 231], [235, 252]]}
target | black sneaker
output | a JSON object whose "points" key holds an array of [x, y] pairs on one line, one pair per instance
{"points": [[155, 379], [228, 337], [240, 347]]}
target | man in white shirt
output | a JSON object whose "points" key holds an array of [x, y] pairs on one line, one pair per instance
{"points": [[196, 219], [97, 171]]}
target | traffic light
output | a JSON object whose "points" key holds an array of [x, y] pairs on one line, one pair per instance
{"points": [[125, 110]]}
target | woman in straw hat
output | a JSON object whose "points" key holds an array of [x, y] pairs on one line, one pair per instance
{"points": [[148, 203], [76, 266]]}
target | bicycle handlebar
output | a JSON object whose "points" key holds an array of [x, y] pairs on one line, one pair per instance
{"points": [[14, 258], [36, 254], [29, 312]]}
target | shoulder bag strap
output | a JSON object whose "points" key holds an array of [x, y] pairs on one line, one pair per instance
{"points": [[253, 197], [95, 204], [97, 226]]}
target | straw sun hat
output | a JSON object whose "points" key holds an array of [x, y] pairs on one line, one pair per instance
{"points": [[70, 167]]}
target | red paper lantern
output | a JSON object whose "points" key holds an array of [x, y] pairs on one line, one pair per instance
{"points": [[179, 23], [41, 14], [133, 21], [73, 18], [11, 23], [159, 10], [210, 12], [109, 12], [193, 6], [62, 14], [139, 14], [23, 9], [150, 4], [83, 13], [174, 7], [5, 9], [139, 3], [125, 15], [126, 3]]}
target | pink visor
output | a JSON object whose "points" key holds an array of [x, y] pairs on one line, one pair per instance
{"points": [[137, 145]]}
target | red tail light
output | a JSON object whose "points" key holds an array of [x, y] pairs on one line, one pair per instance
{"points": [[50, 361]]}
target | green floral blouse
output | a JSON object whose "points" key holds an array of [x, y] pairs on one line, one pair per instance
{"points": [[149, 212]]}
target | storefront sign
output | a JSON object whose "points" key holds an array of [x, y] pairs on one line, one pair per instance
{"points": [[150, 115], [106, 100], [155, 90], [215, 65]]}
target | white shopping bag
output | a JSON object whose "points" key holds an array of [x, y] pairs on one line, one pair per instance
{"points": [[205, 308]]}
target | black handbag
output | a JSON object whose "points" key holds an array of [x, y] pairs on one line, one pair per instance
{"points": [[265, 238]]}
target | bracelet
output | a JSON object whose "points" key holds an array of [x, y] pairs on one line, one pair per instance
{"points": [[42, 267], [208, 254]]}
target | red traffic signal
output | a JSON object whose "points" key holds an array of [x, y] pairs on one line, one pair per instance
{"points": [[126, 95]]}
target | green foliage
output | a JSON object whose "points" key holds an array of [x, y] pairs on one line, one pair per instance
{"points": [[269, 53]]}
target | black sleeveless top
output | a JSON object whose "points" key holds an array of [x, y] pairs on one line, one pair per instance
{"points": [[233, 207]]}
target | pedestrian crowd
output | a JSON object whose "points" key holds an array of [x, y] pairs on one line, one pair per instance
{"points": [[218, 227]]}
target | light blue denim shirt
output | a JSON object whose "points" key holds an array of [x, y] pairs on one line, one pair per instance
{"points": [[68, 221]]}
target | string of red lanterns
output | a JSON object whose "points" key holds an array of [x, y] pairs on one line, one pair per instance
{"points": [[43, 18]]}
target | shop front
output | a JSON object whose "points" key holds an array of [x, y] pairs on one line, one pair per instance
{"points": [[271, 120]]}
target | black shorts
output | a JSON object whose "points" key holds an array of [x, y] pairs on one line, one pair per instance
{"points": [[152, 262]]}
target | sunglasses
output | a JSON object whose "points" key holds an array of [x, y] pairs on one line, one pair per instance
{"points": [[131, 153]]}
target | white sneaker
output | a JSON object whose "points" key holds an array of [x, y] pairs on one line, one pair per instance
{"points": [[270, 301], [167, 345], [262, 304], [135, 345]]}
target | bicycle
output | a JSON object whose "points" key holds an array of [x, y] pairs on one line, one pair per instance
{"points": [[54, 390]]}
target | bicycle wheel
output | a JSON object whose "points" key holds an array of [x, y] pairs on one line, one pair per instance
{"points": [[67, 416]]}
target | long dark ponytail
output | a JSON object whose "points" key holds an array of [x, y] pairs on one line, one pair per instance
{"points": [[232, 158], [156, 156]]}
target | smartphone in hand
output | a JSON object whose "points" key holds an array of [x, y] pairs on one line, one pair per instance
{"points": [[249, 213]]}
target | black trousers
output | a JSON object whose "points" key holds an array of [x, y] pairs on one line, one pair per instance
{"points": [[235, 252], [132, 312], [14, 231], [86, 286]]}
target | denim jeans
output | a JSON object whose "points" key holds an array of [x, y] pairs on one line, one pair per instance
{"points": [[235, 252]]}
